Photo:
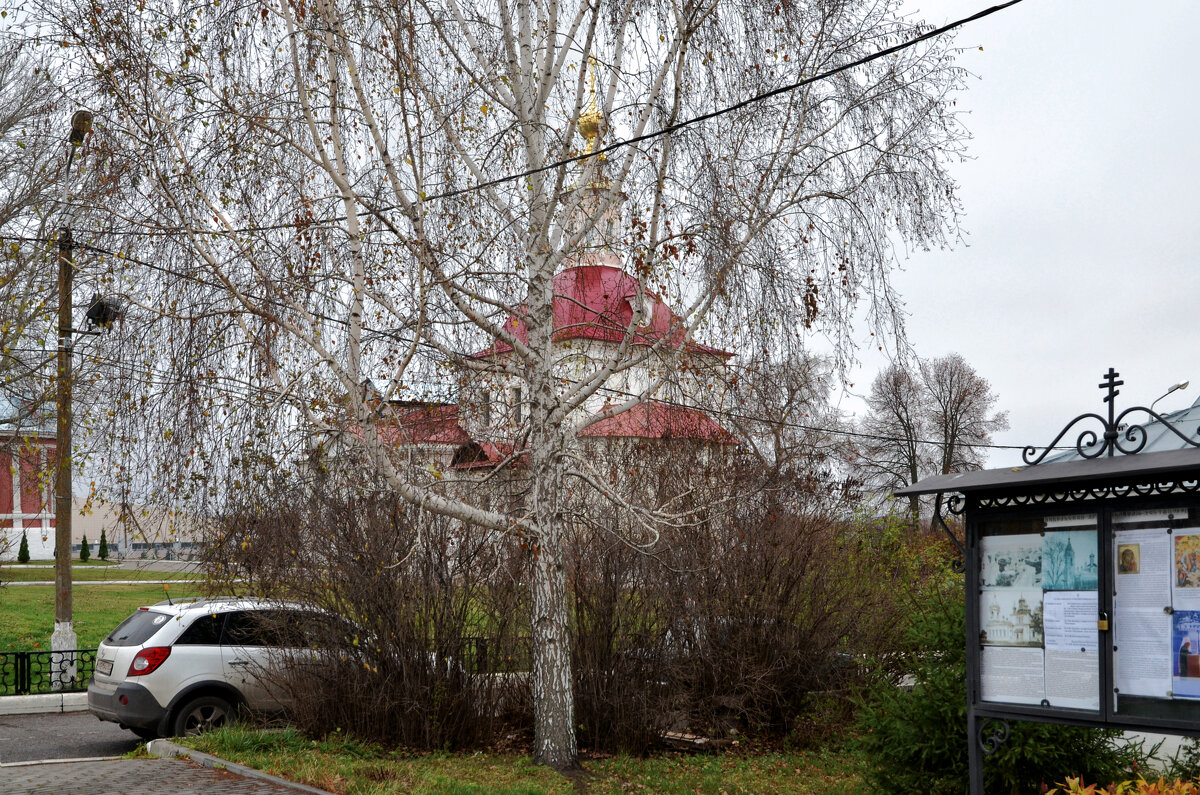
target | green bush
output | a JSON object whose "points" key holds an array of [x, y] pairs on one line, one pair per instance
{"points": [[102, 552], [23, 550], [85, 550], [918, 737], [1186, 764]]}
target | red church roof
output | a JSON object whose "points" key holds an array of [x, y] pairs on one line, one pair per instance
{"points": [[596, 302], [429, 424], [655, 420]]}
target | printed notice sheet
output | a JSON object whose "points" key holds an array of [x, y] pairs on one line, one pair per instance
{"points": [[1069, 620], [1143, 570], [1073, 678], [1015, 675], [1072, 649], [1142, 663]]}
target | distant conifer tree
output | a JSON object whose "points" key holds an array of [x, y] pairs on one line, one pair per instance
{"points": [[85, 550], [23, 552], [102, 552]]}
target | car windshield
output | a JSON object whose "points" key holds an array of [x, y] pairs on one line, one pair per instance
{"points": [[137, 629]]}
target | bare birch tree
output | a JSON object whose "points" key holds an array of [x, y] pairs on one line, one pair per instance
{"points": [[30, 162], [333, 192]]}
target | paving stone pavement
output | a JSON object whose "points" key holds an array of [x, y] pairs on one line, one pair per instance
{"points": [[134, 776]]}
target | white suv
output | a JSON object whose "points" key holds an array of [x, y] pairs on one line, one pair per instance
{"points": [[182, 668]]}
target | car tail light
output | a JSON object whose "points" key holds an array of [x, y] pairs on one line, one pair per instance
{"points": [[147, 660]]}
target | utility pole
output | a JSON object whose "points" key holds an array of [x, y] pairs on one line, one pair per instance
{"points": [[63, 638]]}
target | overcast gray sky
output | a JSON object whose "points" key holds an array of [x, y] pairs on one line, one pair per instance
{"points": [[1081, 204]]}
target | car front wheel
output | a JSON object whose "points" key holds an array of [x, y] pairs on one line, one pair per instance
{"points": [[202, 714]]}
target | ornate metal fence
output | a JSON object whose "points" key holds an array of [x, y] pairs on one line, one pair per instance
{"points": [[29, 672]]}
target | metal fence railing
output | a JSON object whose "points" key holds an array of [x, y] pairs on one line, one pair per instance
{"points": [[25, 673]]}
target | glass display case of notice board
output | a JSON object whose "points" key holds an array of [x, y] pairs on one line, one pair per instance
{"points": [[1156, 613], [1095, 614], [1038, 602]]}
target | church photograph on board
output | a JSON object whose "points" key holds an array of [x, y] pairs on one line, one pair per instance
{"points": [[1069, 561]]}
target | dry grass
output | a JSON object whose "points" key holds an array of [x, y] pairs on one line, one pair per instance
{"points": [[342, 765]]}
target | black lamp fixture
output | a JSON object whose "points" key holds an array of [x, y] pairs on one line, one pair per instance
{"points": [[81, 125]]}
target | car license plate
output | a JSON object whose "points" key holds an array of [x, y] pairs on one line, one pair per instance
{"points": [[104, 667]]}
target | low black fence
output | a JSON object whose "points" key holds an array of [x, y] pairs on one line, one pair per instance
{"points": [[490, 656], [24, 673]]}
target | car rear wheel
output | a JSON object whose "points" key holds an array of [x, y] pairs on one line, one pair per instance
{"points": [[202, 714]]}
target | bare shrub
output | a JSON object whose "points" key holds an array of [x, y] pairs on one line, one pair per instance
{"points": [[424, 649], [733, 600], [753, 617]]}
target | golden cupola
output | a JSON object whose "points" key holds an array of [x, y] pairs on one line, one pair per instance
{"points": [[591, 119]]}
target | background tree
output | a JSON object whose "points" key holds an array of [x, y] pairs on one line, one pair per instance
{"points": [[934, 417], [30, 163], [781, 413], [102, 550], [85, 550], [335, 192], [23, 550]]}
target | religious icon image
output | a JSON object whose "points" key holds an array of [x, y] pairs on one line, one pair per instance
{"points": [[1129, 559], [1187, 561]]}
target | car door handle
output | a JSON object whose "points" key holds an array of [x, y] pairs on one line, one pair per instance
{"points": [[239, 662]]}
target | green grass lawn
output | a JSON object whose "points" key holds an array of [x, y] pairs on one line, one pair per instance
{"points": [[27, 612], [93, 563], [345, 766]]}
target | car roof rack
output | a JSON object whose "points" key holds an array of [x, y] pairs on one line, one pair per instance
{"points": [[195, 601]]}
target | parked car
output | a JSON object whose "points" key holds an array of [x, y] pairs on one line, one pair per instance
{"points": [[175, 669]]}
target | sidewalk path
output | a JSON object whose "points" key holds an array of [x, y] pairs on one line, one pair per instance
{"points": [[140, 776]]}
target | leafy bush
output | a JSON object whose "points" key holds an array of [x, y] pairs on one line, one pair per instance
{"points": [[1075, 786], [918, 736]]}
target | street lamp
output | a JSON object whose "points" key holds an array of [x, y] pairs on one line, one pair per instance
{"points": [[1180, 385], [63, 638]]}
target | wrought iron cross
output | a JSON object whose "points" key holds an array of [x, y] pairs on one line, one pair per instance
{"points": [[1134, 436]]}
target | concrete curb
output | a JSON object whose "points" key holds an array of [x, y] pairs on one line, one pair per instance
{"points": [[37, 762], [48, 702], [166, 748]]}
